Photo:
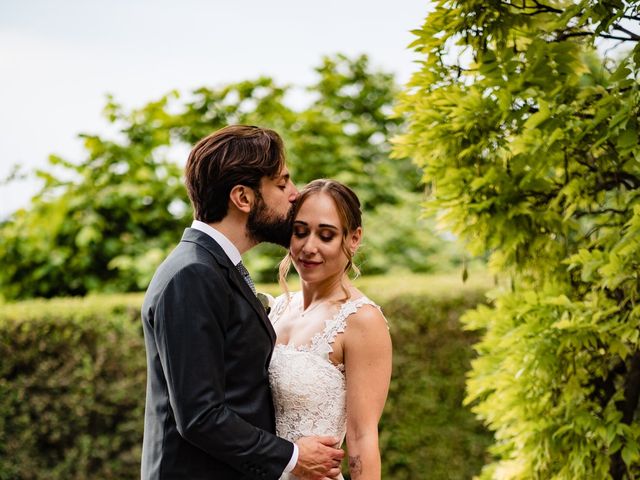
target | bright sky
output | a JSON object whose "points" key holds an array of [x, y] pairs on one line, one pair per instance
{"points": [[59, 59]]}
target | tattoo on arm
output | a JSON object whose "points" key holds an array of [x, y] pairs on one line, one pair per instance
{"points": [[355, 466]]}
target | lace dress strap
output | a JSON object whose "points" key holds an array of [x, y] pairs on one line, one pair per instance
{"points": [[323, 343]]}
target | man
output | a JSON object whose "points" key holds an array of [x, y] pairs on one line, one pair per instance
{"points": [[209, 413]]}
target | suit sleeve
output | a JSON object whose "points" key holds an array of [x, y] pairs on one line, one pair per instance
{"points": [[189, 325]]}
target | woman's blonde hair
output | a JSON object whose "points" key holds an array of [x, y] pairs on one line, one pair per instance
{"points": [[348, 206]]}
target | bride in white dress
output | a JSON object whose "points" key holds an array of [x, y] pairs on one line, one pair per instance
{"points": [[331, 366]]}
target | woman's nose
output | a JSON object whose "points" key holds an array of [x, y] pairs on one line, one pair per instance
{"points": [[309, 246]]}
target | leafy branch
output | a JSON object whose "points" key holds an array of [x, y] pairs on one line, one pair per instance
{"points": [[537, 6]]}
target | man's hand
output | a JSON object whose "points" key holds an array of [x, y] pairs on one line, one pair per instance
{"points": [[318, 459]]}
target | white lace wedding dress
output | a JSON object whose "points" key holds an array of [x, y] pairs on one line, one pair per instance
{"points": [[309, 390]]}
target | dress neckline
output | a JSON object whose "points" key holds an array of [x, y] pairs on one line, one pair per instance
{"points": [[339, 316], [321, 343]]}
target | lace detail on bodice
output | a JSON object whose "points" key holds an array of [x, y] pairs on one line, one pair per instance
{"points": [[321, 343], [309, 391]]}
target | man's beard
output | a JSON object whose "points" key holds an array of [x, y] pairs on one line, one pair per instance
{"points": [[263, 225]]}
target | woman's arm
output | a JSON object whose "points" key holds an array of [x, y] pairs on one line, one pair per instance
{"points": [[367, 359]]}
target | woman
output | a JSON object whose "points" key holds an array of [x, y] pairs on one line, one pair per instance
{"points": [[331, 366]]}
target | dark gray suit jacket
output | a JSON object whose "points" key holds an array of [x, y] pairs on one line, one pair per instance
{"points": [[209, 413]]}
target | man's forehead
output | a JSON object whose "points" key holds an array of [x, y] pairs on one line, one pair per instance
{"points": [[284, 172]]}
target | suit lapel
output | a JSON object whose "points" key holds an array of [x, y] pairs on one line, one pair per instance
{"points": [[236, 278], [205, 241]]}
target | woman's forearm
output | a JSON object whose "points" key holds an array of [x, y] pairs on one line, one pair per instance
{"points": [[364, 457]]}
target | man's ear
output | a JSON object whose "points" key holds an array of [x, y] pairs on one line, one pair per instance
{"points": [[242, 197]]}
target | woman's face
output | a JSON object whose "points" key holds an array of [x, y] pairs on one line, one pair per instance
{"points": [[316, 243]]}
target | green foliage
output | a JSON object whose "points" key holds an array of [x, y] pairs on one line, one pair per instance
{"points": [[73, 371], [425, 428], [397, 238], [104, 225], [101, 225], [529, 139], [344, 133], [72, 382]]}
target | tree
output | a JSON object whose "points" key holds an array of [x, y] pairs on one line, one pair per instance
{"points": [[102, 225], [344, 134], [105, 223], [524, 118]]}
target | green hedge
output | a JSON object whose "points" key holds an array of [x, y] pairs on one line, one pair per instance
{"points": [[72, 385], [426, 433]]}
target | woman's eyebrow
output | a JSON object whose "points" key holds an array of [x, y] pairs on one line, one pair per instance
{"points": [[322, 225], [327, 225]]}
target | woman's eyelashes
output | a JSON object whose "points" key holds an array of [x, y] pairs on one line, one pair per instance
{"points": [[299, 233], [325, 237]]}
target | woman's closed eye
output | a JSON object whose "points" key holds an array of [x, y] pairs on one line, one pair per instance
{"points": [[327, 237], [324, 237], [300, 233]]}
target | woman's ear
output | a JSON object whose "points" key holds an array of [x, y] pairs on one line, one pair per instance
{"points": [[242, 198], [354, 240]]}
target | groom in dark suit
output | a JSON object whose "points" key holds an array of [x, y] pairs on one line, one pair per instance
{"points": [[209, 413]]}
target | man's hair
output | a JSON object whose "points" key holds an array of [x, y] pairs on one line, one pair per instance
{"points": [[233, 155]]}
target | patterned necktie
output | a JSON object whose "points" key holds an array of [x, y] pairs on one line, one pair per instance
{"points": [[247, 278]]}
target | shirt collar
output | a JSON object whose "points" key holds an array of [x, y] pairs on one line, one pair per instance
{"points": [[229, 248]]}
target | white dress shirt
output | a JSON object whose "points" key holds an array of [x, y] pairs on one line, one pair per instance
{"points": [[234, 255]]}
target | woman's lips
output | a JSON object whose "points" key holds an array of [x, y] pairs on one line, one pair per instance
{"points": [[309, 264]]}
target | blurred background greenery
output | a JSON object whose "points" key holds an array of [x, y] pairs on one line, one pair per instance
{"points": [[104, 224]]}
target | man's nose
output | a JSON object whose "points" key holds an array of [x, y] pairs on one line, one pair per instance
{"points": [[294, 194]]}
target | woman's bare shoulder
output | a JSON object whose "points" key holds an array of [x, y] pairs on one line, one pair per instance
{"points": [[368, 317]]}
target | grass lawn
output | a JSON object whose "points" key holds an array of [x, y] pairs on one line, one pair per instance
{"points": [[435, 285]]}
